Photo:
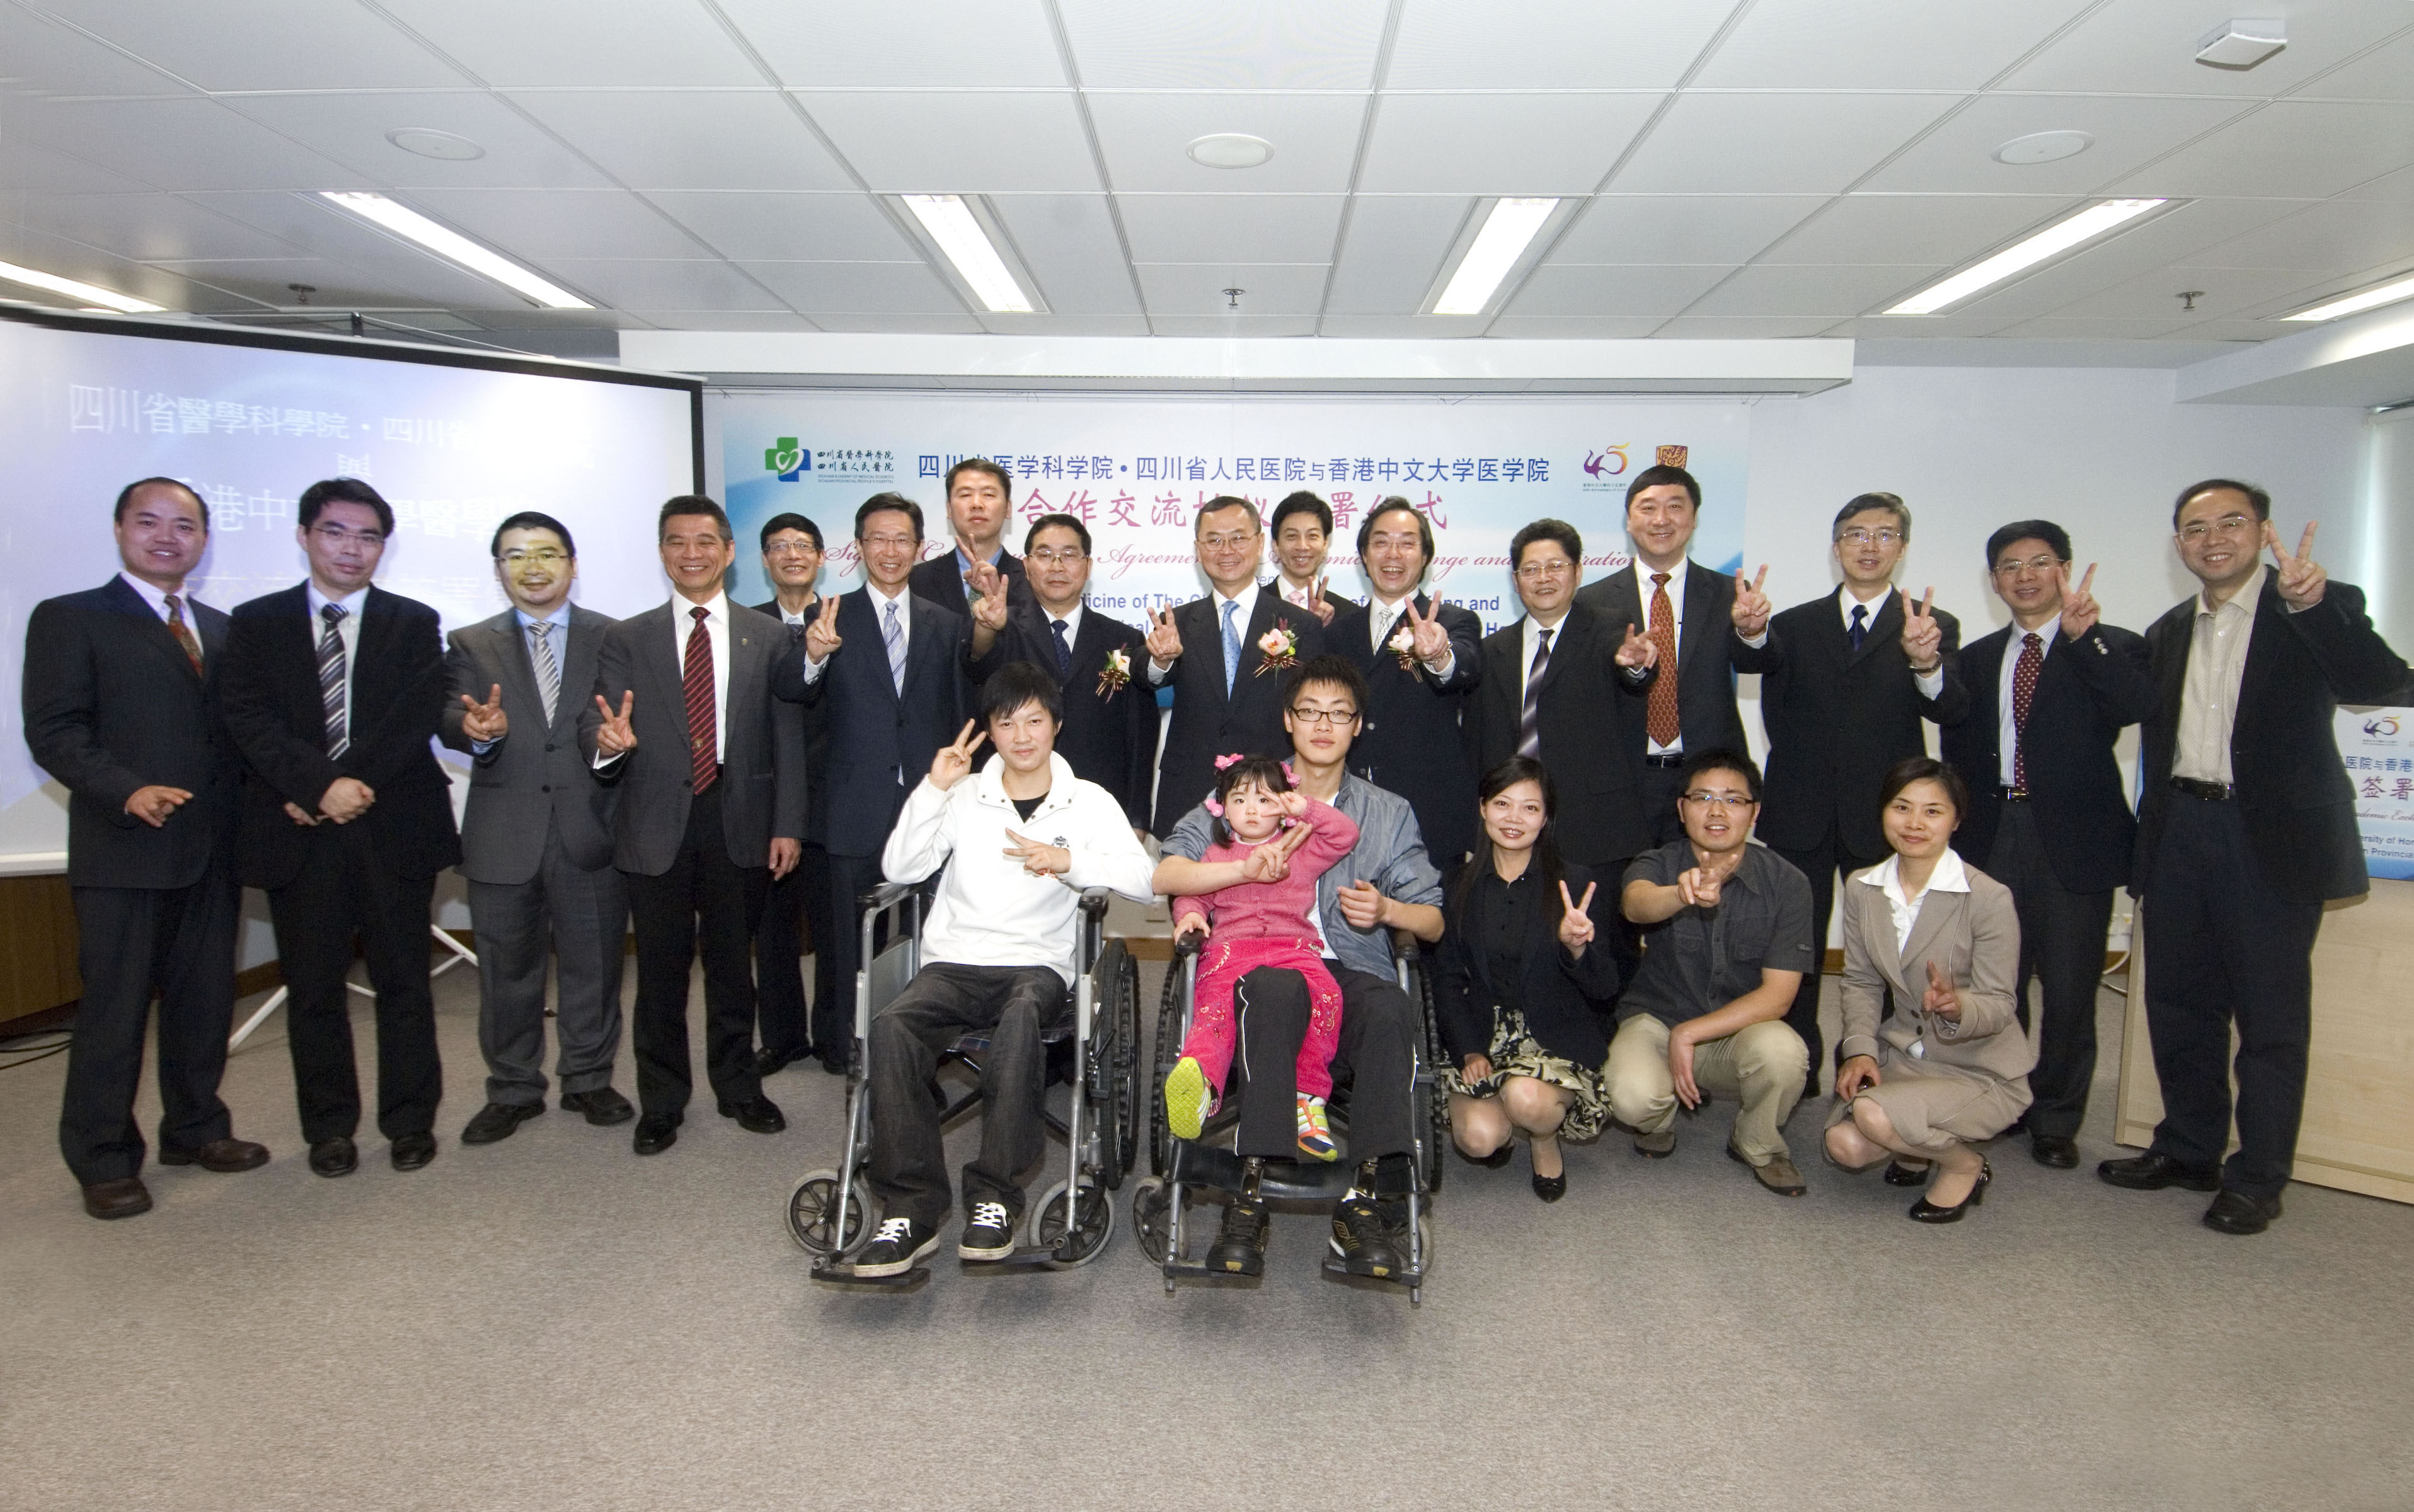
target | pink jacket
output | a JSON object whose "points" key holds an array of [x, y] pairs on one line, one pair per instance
{"points": [[1274, 910]]}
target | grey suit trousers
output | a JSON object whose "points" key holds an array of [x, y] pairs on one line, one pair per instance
{"points": [[583, 917]]}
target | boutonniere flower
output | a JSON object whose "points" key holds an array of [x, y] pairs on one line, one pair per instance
{"points": [[1403, 645], [1116, 674], [1279, 648]]}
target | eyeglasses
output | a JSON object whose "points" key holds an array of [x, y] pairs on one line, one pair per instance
{"points": [[908, 543], [1227, 542], [1537, 571], [1336, 717], [1045, 557], [2228, 524], [1860, 537], [1720, 800], [2041, 566], [791, 548], [542, 556], [336, 535]]}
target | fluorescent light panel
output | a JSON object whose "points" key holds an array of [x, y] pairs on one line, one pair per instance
{"points": [[1507, 230], [2053, 241], [34, 278], [959, 236], [451, 245], [2373, 298]]}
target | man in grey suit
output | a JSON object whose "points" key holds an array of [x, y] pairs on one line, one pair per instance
{"points": [[711, 772], [536, 845]]}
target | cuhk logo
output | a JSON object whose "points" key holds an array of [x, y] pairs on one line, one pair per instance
{"points": [[1673, 456], [786, 458]]}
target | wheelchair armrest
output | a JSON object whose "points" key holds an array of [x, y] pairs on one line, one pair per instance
{"points": [[1094, 902], [1185, 946], [883, 896], [1406, 946]]}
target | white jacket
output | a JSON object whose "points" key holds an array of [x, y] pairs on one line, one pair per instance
{"points": [[989, 912]]}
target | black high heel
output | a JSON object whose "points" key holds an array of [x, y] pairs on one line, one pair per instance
{"points": [[1900, 1175], [1925, 1211], [1549, 1188], [1507, 1153]]}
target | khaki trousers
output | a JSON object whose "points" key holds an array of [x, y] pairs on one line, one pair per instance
{"points": [[1761, 1065]]}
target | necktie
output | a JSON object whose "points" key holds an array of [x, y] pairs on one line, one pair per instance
{"points": [[548, 671], [893, 637], [703, 740], [331, 679], [1381, 620], [182, 632], [2024, 681], [1232, 645], [1063, 651], [1860, 627], [1529, 722], [1659, 715]]}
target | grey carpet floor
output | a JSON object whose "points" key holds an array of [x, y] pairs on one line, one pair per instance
{"points": [[551, 1322]]}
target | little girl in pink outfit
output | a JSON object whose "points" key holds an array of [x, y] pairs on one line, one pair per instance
{"points": [[1250, 925]]}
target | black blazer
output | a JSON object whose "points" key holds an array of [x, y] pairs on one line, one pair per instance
{"points": [[2089, 690], [816, 719], [111, 704], [876, 735], [268, 690], [1586, 705], [2293, 791], [940, 581], [1108, 738], [1566, 1003], [536, 777], [1206, 722], [1706, 647], [1413, 741], [1837, 718]]}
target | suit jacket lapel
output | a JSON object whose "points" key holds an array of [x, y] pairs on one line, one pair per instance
{"points": [[1982, 669], [1701, 588], [2263, 647], [153, 631], [1090, 650], [519, 668], [1936, 912], [1885, 625]]}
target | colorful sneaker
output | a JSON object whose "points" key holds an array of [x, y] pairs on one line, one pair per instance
{"points": [[1315, 1135], [1188, 1098]]}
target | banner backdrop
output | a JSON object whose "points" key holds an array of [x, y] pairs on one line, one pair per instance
{"points": [[1136, 470], [2378, 748]]}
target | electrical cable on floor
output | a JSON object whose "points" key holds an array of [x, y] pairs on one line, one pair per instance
{"points": [[27, 1054]]}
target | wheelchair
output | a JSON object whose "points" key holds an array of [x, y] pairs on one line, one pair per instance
{"points": [[1159, 1201], [832, 1213]]}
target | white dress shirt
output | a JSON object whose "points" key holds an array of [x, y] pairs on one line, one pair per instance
{"points": [[347, 630], [2216, 665], [158, 598], [558, 638], [716, 631], [1526, 649], [1247, 599], [1072, 618], [1383, 620], [879, 602], [1930, 685], [2008, 733], [1950, 876], [1644, 589]]}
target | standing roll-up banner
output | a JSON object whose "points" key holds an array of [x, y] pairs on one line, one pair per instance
{"points": [[1135, 470], [2377, 747]]}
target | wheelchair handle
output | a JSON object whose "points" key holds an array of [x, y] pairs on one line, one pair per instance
{"points": [[1094, 902], [1406, 946], [1187, 945]]}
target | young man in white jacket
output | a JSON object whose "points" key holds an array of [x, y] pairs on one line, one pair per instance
{"points": [[998, 948]]}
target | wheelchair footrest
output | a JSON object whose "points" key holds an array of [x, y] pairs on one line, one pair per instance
{"points": [[843, 1274], [1335, 1265], [1026, 1258], [1201, 1270]]}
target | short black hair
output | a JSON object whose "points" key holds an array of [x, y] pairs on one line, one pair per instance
{"points": [[1863, 503], [126, 496], [1302, 502], [1719, 758], [1425, 526], [1225, 501], [1061, 521], [1911, 769], [890, 503], [777, 523], [2256, 499], [1655, 476], [327, 491], [982, 465], [1019, 683], [2019, 531], [531, 520], [1558, 531], [1327, 667], [690, 504]]}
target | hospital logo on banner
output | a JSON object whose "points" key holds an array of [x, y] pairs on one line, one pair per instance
{"points": [[1605, 469], [787, 460]]}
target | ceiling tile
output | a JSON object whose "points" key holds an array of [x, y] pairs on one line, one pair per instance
{"points": [[1415, 327], [1144, 138], [1598, 292], [1563, 327], [1878, 44], [351, 129], [2148, 47], [2059, 328], [1266, 289], [1392, 252], [819, 289], [1233, 325], [2397, 185], [837, 228], [581, 44], [561, 223], [1921, 327], [1236, 228], [1680, 228], [2386, 73], [277, 44], [953, 44], [1224, 44], [2242, 331], [1067, 243], [30, 246], [958, 141], [2337, 234], [1470, 143], [724, 320], [1550, 44], [269, 280], [46, 58], [1921, 228], [1745, 328], [1773, 143], [189, 143], [2159, 242], [149, 227], [2291, 147], [931, 323], [2224, 292], [25, 168], [370, 255], [1833, 291], [692, 139], [1957, 157], [662, 284]]}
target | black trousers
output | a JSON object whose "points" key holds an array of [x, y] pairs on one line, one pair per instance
{"points": [[2062, 949], [1660, 785], [344, 886], [1377, 1058], [704, 899], [794, 905], [134, 941], [1011, 1006], [1820, 863], [2223, 948]]}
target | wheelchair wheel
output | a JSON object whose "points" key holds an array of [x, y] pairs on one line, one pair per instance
{"points": [[1127, 1067], [1437, 1137], [1151, 1218], [1169, 1048], [813, 1217], [1085, 1236], [1115, 1059]]}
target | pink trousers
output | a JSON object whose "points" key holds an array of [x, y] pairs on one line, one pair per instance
{"points": [[1213, 1025]]}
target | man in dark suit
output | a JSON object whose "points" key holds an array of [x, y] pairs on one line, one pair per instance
{"points": [[1301, 532], [793, 553], [536, 843], [1421, 660], [1845, 681], [1687, 611], [2049, 817], [2247, 828], [1227, 686], [116, 709], [333, 690], [980, 501], [904, 690], [1109, 734]]}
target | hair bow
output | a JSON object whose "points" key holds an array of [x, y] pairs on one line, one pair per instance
{"points": [[1233, 760]]}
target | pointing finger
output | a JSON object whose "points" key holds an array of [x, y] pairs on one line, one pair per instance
{"points": [[627, 700], [2086, 583], [1585, 905], [964, 736], [2306, 546], [1564, 898], [1760, 578], [1925, 600]]}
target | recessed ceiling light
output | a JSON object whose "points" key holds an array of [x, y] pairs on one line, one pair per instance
{"points": [[2043, 147], [2054, 240], [2373, 298], [1230, 149], [951, 224], [452, 246], [90, 294], [2239, 45], [430, 142], [1506, 232]]}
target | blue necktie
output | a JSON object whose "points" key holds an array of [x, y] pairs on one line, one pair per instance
{"points": [[894, 638], [1232, 645], [1063, 651], [1860, 629]]}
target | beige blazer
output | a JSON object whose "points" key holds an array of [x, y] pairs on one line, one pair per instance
{"points": [[1974, 937]]}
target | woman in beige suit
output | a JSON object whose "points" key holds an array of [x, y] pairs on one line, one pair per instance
{"points": [[1950, 1063]]}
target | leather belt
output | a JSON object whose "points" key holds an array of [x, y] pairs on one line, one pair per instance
{"points": [[1675, 760], [2209, 791]]}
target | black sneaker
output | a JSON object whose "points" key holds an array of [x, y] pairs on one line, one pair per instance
{"points": [[989, 1233], [1362, 1238], [1240, 1247], [897, 1247]]}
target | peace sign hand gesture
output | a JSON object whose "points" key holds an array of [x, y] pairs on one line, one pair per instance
{"points": [[2079, 609], [949, 763], [1637, 652], [1751, 606], [1923, 639], [2302, 579], [1164, 640], [485, 723], [821, 635], [1317, 603], [1941, 1000], [1575, 925], [1038, 859], [1432, 641], [616, 736], [989, 608]]}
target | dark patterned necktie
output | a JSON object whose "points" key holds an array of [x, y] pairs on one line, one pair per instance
{"points": [[1063, 651], [702, 739], [2024, 681], [1660, 714], [1860, 629], [331, 679], [1529, 722], [182, 632], [548, 671]]}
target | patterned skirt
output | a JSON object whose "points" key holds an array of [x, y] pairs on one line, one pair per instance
{"points": [[1516, 1053]]}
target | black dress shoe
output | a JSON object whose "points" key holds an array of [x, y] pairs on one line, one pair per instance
{"points": [[833, 1061], [2054, 1152], [656, 1133], [771, 1062], [1925, 1211], [603, 1105], [756, 1115], [2154, 1170], [120, 1198], [1900, 1175], [335, 1157], [1548, 1188], [2235, 1212], [217, 1155], [1507, 1153], [498, 1120], [411, 1152]]}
